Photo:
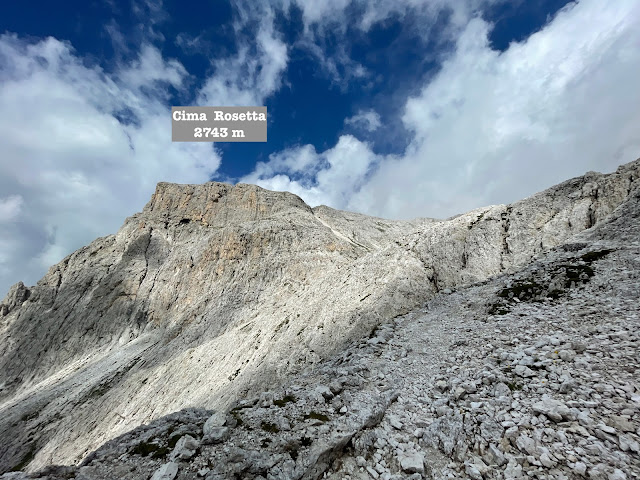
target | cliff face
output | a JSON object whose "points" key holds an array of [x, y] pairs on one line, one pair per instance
{"points": [[214, 291]]}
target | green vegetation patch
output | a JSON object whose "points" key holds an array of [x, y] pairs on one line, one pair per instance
{"points": [[316, 416], [147, 448], [524, 290], [576, 274], [571, 275], [236, 415], [286, 399], [514, 387], [269, 427], [292, 449], [593, 256], [173, 439]]}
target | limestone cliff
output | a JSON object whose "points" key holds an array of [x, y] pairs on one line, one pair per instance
{"points": [[214, 291]]}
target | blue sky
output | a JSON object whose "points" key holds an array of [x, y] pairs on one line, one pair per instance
{"points": [[394, 108]]}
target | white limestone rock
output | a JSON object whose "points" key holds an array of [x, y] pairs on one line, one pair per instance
{"points": [[216, 293], [166, 472]]}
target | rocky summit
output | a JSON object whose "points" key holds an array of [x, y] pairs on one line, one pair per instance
{"points": [[232, 332]]}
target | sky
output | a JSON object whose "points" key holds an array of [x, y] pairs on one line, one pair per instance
{"points": [[393, 108]]}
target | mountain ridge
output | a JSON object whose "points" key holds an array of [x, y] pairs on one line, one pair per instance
{"points": [[240, 287]]}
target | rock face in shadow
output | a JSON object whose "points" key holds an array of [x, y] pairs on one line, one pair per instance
{"points": [[214, 292]]}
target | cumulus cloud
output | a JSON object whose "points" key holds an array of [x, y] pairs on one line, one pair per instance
{"points": [[500, 126], [326, 178], [319, 17], [82, 149], [493, 127], [248, 78], [295, 160], [328, 23], [368, 120], [150, 68], [10, 207]]}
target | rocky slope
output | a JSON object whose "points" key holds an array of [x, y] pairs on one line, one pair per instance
{"points": [[215, 292]]}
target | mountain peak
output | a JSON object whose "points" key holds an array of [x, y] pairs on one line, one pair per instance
{"points": [[216, 291], [217, 204]]}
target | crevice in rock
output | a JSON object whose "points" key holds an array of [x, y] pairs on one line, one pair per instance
{"points": [[591, 217], [505, 223], [146, 258]]}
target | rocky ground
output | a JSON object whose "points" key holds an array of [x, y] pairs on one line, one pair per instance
{"points": [[532, 375], [305, 335]]}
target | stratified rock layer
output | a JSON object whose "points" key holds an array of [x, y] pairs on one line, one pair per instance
{"points": [[215, 291]]}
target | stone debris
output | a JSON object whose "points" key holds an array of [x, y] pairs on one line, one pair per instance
{"points": [[185, 448], [405, 414], [411, 463], [554, 409], [168, 471], [527, 374]]}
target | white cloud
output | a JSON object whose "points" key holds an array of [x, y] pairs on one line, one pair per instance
{"points": [[326, 24], [328, 178], [150, 68], [77, 169], [248, 78], [301, 159], [10, 207], [192, 45], [368, 120], [339, 67], [493, 127], [331, 14], [321, 12], [500, 126]]}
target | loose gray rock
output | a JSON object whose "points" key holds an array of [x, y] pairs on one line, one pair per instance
{"points": [[246, 301], [185, 448], [166, 472], [412, 463], [216, 420], [216, 435], [554, 409]]}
